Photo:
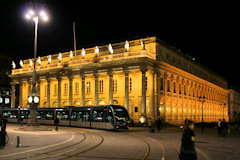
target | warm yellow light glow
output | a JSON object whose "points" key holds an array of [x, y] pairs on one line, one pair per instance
{"points": [[31, 12], [27, 16]]}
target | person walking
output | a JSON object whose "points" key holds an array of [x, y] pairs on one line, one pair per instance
{"points": [[3, 133], [159, 124], [219, 129], [21, 120], [150, 125], [224, 127], [187, 150], [56, 122]]}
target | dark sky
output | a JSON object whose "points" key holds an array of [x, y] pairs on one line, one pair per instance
{"points": [[207, 31]]}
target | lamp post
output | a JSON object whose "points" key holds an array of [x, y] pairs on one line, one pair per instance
{"points": [[202, 99], [33, 99]]}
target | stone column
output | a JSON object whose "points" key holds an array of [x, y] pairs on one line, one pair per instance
{"points": [[20, 93], [126, 72], [152, 114], [13, 95], [83, 89], [96, 89], [157, 112], [48, 92], [110, 73], [59, 91], [143, 100], [70, 90]]}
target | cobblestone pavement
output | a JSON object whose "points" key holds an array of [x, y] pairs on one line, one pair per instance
{"points": [[134, 144]]}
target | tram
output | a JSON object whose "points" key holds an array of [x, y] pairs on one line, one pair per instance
{"points": [[109, 117]]}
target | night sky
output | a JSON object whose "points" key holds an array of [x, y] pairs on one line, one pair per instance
{"points": [[207, 31]]}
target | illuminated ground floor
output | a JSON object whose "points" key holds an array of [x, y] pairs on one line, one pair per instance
{"points": [[141, 90]]}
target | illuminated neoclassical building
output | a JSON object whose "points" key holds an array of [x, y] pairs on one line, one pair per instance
{"points": [[146, 76]]}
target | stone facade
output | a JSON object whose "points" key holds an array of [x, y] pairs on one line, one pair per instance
{"points": [[150, 79], [234, 105]]}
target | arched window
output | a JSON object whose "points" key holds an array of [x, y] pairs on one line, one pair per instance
{"points": [[101, 102], [115, 102], [65, 103], [76, 103], [54, 104], [88, 103]]}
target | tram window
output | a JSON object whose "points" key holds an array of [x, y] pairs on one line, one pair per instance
{"points": [[86, 116], [25, 114], [45, 115], [99, 116], [11, 115], [136, 109], [110, 116], [62, 115]]}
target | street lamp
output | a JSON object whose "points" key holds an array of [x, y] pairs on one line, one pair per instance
{"points": [[202, 99], [33, 99]]}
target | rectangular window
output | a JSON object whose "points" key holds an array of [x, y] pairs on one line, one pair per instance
{"points": [[136, 109], [180, 92], [185, 92], [55, 89], [130, 84], [146, 83], [114, 86], [88, 87], [100, 86], [161, 84], [174, 87], [65, 89], [76, 88], [45, 90], [168, 86]]}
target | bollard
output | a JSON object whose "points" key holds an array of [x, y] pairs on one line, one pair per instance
{"points": [[18, 141]]}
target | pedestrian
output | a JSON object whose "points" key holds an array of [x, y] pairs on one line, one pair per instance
{"points": [[3, 132], [150, 125], [185, 123], [132, 122], [187, 150], [224, 127], [56, 122], [21, 120], [159, 124], [219, 129], [202, 126]]}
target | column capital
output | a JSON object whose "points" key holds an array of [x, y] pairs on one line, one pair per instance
{"points": [[143, 69], [95, 74], [82, 75], [110, 72]]}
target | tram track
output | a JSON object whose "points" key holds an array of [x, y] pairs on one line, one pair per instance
{"points": [[86, 150], [56, 150]]}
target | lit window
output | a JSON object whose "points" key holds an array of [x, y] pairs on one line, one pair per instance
{"points": [[45, 90], [114, 85], [76, 88], [101, 86], [88, 87], [65, 89], [130, 84], [55, 89]]}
